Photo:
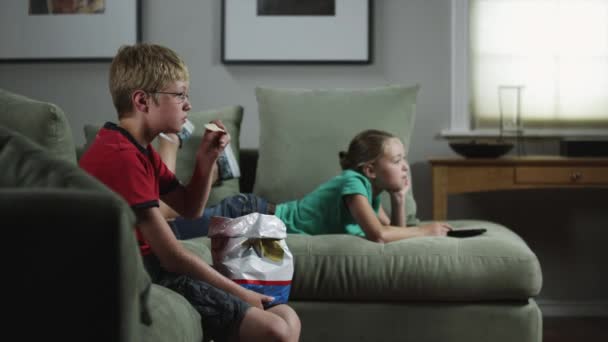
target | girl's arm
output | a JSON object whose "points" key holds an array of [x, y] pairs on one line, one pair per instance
{"points": [[397, 210], [382, 217], [376, 231], [398, 215]]}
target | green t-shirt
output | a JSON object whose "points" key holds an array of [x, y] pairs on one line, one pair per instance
{"points": [[324, 211]]}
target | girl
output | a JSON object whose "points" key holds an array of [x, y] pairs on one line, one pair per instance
{"points": [[346, 204], [350, 203]]}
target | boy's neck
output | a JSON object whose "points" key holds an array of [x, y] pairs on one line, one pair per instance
{"points": [[137, 129]]}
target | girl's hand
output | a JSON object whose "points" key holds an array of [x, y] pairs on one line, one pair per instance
{"points": [[399, 195], [435, 229]]}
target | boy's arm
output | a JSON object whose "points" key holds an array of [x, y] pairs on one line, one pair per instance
{"points": [[190, 200], [167, 212], [365, 216], [177, 259]]}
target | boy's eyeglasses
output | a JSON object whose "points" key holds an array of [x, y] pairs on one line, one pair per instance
{"points": [[180, 96]]}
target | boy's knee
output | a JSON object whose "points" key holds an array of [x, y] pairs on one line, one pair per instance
{"points": [[290, 316], [274, 329], [259, 325], [278, 331]]}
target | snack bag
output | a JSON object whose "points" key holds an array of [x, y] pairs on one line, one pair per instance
{"points": [[251, 250], [228, 167]]}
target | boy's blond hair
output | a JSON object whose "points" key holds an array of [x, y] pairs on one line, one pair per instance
{"points": [[147, 67]]}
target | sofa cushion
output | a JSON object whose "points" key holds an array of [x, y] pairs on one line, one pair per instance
{"points": [[201, 247], [42, 122], [497, 265], [231, 116], [302, 131]]}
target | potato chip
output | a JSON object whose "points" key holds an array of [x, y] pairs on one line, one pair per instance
{"points": [[214, 128]]}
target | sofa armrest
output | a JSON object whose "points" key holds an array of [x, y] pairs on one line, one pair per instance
{"points": [[71, 252], [80, 149]]}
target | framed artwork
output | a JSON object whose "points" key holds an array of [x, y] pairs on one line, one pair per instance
{"points": [[297, 32], [67, 30]]}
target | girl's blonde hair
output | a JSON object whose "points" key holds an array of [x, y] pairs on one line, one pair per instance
{"points": [[365, 147], [147, 67]]}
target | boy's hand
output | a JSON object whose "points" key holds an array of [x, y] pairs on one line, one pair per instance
{"points": [[257, 299], [212, 144]]}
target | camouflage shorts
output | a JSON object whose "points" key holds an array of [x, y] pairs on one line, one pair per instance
{"points": [[221, 312]]}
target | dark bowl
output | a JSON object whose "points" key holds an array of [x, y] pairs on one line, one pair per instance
{"points": [[481, 150]]}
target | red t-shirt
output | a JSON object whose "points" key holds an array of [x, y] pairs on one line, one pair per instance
{"points": [[134, 172]]}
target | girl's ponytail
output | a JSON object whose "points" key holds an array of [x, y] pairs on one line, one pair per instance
{"points": [[345, 163]]}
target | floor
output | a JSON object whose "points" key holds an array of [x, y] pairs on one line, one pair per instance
{"points": [[571, 329]]}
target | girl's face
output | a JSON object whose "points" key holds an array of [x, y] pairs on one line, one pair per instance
{"points": [[391, 169]]}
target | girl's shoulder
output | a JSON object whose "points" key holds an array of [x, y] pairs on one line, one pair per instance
{"points": [[352, 174], [353, 179]]}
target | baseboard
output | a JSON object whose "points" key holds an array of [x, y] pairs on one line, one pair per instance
{"points": [[558, 308]]}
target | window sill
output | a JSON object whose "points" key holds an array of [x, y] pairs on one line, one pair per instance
{"points": [[587, 134]]}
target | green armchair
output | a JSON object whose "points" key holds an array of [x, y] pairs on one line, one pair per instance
{"points": [[77, 271]]}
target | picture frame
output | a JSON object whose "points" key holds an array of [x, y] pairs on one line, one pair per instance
{"points": [[297, 32], [35, 31]]}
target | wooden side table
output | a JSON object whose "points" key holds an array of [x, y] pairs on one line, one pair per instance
{"points": [[463, 175]]}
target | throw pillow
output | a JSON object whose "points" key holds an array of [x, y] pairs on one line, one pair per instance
{"points": [[302, 131], [44, 123], [231, 116]]}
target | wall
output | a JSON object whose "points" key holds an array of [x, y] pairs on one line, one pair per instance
{"points": [[567, 229]]}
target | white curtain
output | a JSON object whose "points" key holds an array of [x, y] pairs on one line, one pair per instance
{"points": [[556, 50]]}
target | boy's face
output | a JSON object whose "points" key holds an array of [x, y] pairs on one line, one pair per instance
{"points": [[171, 110]]}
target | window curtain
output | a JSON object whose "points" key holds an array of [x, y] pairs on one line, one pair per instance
{"points": [[554, 51]]}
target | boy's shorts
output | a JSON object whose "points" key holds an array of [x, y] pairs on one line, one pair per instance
{"points": [[221, 312]]}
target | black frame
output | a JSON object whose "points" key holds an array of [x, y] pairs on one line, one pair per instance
{"points": [[370, 49], [138, 38]]}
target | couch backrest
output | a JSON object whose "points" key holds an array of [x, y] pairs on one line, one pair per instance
{"points": [[302, 131], [42, 122]]}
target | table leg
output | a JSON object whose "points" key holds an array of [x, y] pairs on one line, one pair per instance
{"points": [[440, 193]]}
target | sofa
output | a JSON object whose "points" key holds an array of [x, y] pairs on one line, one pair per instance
{"points": [[345, 288]]}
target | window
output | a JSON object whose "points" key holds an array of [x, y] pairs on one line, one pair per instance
{"points": [[556, 50]]}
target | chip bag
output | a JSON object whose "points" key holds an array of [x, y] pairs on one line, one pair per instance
{"points": [[251, 250]]}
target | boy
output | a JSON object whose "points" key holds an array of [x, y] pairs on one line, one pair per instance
{"points": [[149, 86]]}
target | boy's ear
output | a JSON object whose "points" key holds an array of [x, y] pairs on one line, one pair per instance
{"points": [[369, 170], [140, 101]]}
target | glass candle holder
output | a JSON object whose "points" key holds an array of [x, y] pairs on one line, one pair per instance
{"points": [[509, 103]]}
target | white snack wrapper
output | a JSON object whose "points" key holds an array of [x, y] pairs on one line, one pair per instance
{"points": [[251, 250]]}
